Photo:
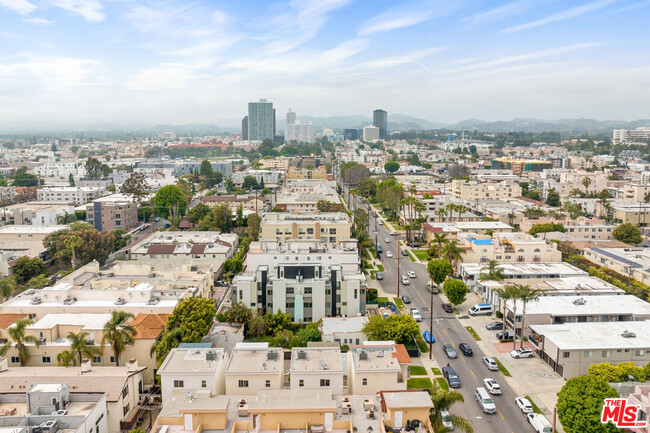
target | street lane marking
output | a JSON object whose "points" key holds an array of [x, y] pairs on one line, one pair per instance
{"points": [[463, 358], [443, 330], [501, 415], [473, 374]]}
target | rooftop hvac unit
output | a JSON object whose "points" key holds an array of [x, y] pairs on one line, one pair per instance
{"points": [[50, 426], [302, 354], [628, 334], [363, 356], [323, 364], [271, 356], [210, 356], [580, 301]]}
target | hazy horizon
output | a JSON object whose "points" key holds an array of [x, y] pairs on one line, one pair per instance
{"points": [[70, 63]]}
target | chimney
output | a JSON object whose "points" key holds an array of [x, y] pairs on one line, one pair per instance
{"points": [[4, 366], [132, 365], [86, 365]]}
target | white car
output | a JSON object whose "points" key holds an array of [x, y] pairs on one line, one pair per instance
{"points": [[446, 420], [539, 423], [522, 353], [411, 274], [389, 254], [490, 363], [524, 404], [492, 386], [405, 280], [416, 315], [387, 240]]}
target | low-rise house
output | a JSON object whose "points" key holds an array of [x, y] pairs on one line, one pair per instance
{"points": [[571, 348], [343, 330], [317, 368], [253, 367], [631, 262], [249, 202], [400, 407], [377, 366]]}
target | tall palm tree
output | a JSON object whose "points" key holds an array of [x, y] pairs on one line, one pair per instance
{"points": [[118, 333], [527, 295], [442, 213], [453, 253], [17, 334], [493, 272], [461, 209], [506, 294], [451, 208], [586, 181], [443, 400], [79, 345], [72, 243], [38, 282], [511, 217], [439, 240], [66, 358], [7, 287]]}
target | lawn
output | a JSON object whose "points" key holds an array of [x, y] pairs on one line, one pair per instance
{"points": [[411, 256], [502, 368], [421, 254], [419, 383], [380, 268], [372, 275], [422, 345], [382, 299], [417, 370], [436, 371], [398, 303], [473, 332], [535, 408], [442, 383]]}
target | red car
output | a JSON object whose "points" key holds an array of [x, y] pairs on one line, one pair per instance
{"points": [[448, 308]]}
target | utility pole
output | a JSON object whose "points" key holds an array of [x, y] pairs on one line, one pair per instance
{"points": [[398, 254], [554, 417], [368, 229], [431, 323]]}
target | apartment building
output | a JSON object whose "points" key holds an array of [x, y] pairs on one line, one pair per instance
{"points": [[271, 178], [17, 241], [626, 212], [343, 330], [305, 278], [278, 163], [520, 272], [520, 166], [319, 173], [112, 212], [193, 370], [638, 135], [254, 367], [306, 202], [61, 170], [453, 229], [508, 248], [640, 397], [631, 262], [119, 387], [571, 348], [317, 368], [249, 202], [34, 213], [377, 366], [636, 192], [473, 190], [70, 194], [282, 227], [580, 228]]}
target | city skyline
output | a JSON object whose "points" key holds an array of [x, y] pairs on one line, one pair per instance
{"points": [[65, 62]]}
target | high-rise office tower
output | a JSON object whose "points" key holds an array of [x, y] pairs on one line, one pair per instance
{"points": [[350, 134], [244, 128], [274, 124], [291, 117], [380, 120], [261, 120]]}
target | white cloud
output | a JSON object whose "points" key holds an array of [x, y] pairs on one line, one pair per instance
{"points": [[561, 16], [55, 74], [90, 10], [163, 76], [499, 13], [39, 21], [22, 7], [388, 62], [408, 15]]}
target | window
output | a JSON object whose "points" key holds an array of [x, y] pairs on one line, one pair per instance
{"points": [[639, 352], [46, 360], [307, 290], [606, 353], [125, 392], [268, 383], [289, 290], [97, 359], [179, 384], [204, 384], [364, 381], [243, 384], [15, 360], [324, 382], [127, 409], [301, 383], [589, 354]]}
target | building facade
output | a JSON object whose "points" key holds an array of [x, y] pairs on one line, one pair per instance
{"points": [[380, 120], [112, 212], [261, 120], [70, 194]]}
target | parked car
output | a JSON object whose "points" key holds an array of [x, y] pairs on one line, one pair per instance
{"points": [[387, 240], [490, 363], [432, 287], [539, 423], [484, 400], [406, 299], [389, 254], [405, 280], [156, 219], [494, 326], [220, 283], [492, 386], [448, 308], [379, 276], [405, 253], [450, 351], [428, 337], [505, 335], [394, 234], [416, 315], [522, 353], [414, 245], [446, 420], [466, 349], [411, 274], [452, 377], [524, 404]]}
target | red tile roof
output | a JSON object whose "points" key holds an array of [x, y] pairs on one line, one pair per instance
{"points": [[401, 354], [149, 326], [8, 319], [430, 228], [161, 249]]}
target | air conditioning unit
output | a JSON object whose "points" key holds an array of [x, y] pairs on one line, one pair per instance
{"points": [[50, 426]]}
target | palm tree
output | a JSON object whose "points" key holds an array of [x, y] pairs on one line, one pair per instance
{"points": [[506, 294], [443, 400], [7, 287], [17, 334], [493, 272], [439, 240], [646, 200], [118, 333], [527, 295], [511, 217], [586, 181], [72, 243], [38, 282], [452, 253], [442, 213], [451, 208], [79, 345], [461, 209], [66, 358]]}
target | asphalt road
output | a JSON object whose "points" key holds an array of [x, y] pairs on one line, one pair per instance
{"points": [[448, 329]]}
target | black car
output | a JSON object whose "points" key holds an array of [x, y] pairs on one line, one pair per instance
{"points": [[448, 308], [464, 347], [494, 326], [406, 299]]}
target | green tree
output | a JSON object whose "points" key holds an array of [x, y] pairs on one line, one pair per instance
{"points": [[144, 213], [38, 282], [526, 295], [307, 334], [253, 224], [17, 334], [257, 326], [222, 218], [545, 228], [439, 270], [400, 328], [628, 233], [122, 238], [455, 290], [249, 182], [605, 371], [439, 240], [453, 253], [628, 369], [443, 400], [169, 201], [95, 169], [391, 166], [27, 268], [279, 322], [65, 358], [135, 186], [198, 212], [239, 313], [206, 169], [118, 333], [79, 345], [328, 206], [553, 198], [239, 218], [72, 243], [492, 272], [7, 287], [71, 180], [580, 404], [507, 293], [586, 181]]}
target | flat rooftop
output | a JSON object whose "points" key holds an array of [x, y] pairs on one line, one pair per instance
{"points": [[192, 360], [633, 257], [560, 269], [29, 229], [185, 243], [374, 358], [332, 325], [115, 198], [596, 335], [588, 305], [582, 285], [316, 359], [255, 358], [407, 399], [178, 401], [88, 322], [292, 399]]}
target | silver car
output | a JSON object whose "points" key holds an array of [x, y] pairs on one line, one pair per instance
{"points": [[446, 419]]}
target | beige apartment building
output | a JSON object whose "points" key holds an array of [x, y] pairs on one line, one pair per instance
{"points": [[112, 212], [580, 228], [631, 262], [473, 190], [641, 397], [636, 192], [254, 367], [285, 226], [377, 366], [317, 368], [514, 247], [278, 163], [307, 173], [571, 348], [251, 202], [70, 194]]}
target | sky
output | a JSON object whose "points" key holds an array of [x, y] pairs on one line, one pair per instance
{"points": [[82, 62]]}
